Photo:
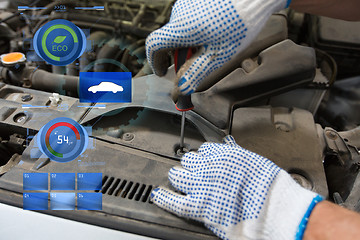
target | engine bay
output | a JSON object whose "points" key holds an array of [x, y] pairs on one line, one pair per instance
{"points": [[292, 96]]}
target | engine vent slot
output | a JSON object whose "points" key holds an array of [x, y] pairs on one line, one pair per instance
{"points": [[107, 185], [126, 189]]}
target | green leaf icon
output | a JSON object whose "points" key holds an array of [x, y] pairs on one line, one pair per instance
{"points": [[59, 39]]}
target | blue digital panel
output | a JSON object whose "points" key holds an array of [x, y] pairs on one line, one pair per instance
{"points": [[35, 181], [89, 181], [62, 201], [105, 87], [62, 181], [89, 201], [35, 201]]}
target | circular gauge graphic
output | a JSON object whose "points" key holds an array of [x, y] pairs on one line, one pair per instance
{"points": [[59, 42], [62, 139]]}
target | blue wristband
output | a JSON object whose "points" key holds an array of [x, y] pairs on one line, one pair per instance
{"points": [[288, 3], [301, 229]]}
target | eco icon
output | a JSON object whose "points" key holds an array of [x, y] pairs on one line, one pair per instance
{"points": [[59, 39], [59, 42]]}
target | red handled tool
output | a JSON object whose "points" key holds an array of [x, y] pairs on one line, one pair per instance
{"points": [[183, 103]]}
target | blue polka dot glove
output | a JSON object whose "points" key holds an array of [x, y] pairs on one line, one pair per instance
{"points": [[222, 27], [237, 194]]}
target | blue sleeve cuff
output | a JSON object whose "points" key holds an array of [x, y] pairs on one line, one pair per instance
{"points": [[301, 228], [287, 3]]}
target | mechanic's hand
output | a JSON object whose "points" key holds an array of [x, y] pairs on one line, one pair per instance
{"points": [[223, 27], [237, 194]]}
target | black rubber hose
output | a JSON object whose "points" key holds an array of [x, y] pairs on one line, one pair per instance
{"points": [[50, 82], [108, 51], [97, 39], [42, 80], [72, 69]]}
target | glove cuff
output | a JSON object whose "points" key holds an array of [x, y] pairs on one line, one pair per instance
{"points": [[305, 219], [288, 207]]}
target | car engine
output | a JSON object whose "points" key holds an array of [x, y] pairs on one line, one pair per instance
{"points": [[292, 96]]}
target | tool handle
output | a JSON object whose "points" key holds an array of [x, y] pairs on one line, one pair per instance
{"points": [[180, 56], [184, 103]]}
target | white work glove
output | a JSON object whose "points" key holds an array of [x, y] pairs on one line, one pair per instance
{"points": [[223, 27], [238, 194]]}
